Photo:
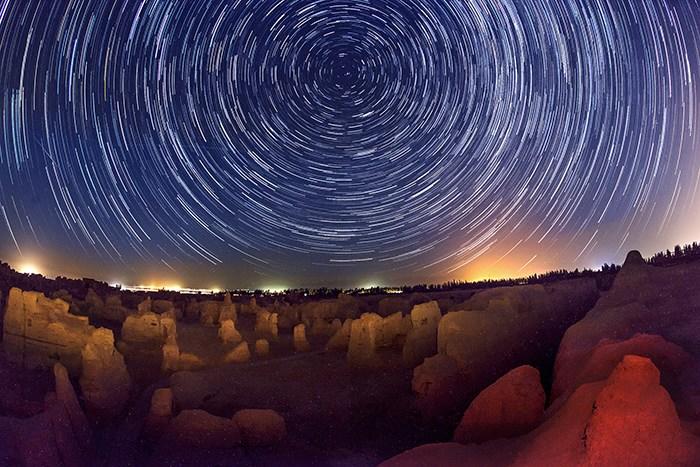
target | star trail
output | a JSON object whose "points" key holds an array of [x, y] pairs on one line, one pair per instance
{"points": [[250, 143]]}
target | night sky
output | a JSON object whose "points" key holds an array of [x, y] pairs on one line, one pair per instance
{"points": [[345, 142]]}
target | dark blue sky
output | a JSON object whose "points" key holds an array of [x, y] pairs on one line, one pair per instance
{"points": [[290, 143]]}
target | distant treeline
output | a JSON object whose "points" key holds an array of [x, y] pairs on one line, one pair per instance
{"points": [[679, 255], [603, 276]]}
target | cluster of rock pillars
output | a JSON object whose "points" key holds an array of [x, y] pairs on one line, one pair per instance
{"points": [[544, 375]]}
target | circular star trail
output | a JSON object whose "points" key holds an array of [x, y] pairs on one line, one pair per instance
{"points": [[334, 140]]}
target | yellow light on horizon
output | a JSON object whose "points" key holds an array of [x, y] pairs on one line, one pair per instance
{"points": [[28, 268]]}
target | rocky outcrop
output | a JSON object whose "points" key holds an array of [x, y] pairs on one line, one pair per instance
{"points": [[301, 344], [266, 325], [341, 339], [59, 436], [439, 386], [228, 309], [393, 326], [345, 306], [260, 427], [643, 299], [364, 340], [512, 406], [160, 413], [228, 332], [240, 354], [602, 359], [324, 328], [629, 419], [421, 341], [262, 348], [510, 326], [105, 382], [38, 331], [145, 328]]}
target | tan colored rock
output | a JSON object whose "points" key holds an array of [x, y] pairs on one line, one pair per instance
{"points": [[301, 344], [392, 328], [228, 309], [200, 429], [262, 348], [512, 406], [228, 332], [505, 327], [172, 358], [341, 339], [364, 339], [421, 341], [190, 362], [260, 427], [160, 413], [209, 312], [240, 354], [144, 328], [169, 325], [105, 381], [162, 402], [266, 324], [426, 314], [38, 331], [345, 306], [324, 328]]}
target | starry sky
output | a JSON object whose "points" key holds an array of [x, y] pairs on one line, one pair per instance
{"points": [[284, 143]]}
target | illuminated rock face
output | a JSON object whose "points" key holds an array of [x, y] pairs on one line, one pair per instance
{"points": [[364, 340], [506, 327], [670, 358], [105, 382], [628, 419], [240, 354], [160, 413], [325, 328], [341, 339], [228, 332], [644, 300], [421, 341], [266, 324], [300, 342], [345, 306], [392, 328], [512, 406], [145, 328], [262, 348], [38, 331]]}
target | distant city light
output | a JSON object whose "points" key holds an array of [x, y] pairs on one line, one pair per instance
{"points": [[28, 268]]}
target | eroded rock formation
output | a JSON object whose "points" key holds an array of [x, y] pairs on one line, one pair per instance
{"points": [[38, 331]]}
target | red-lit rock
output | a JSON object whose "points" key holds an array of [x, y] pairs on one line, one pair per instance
{"points": [[512, 406], [670, 358], [629, 419]]}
